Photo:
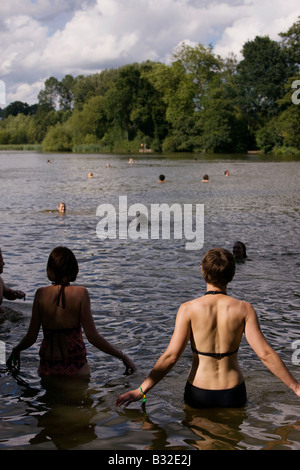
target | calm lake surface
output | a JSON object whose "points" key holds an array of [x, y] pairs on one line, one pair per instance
{"points": [[136, 288]]}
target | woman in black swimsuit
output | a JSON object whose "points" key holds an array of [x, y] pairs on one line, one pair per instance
{"points": [[214, 324]]}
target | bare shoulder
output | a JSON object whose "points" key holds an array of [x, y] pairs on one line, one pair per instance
{"points": [[242, 305], [40, 292], [243, 309], [250, 312], [80, 292], [187, 308]]}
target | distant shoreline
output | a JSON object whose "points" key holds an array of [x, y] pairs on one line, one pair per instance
{"points": [[95, 149]]}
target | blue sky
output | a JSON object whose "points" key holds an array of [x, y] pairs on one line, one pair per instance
{"points": [[43, 38]]}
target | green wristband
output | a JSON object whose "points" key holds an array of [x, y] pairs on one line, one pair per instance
{"points": [[144, 396]]}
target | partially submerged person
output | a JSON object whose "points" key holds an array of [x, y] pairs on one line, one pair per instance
{"points": [[5, 291], [61, 208], [63, 310], [205, 179], [161, 179], [214, 324], [239, 250]]}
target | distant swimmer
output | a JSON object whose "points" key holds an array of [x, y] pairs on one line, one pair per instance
{"points": [[130, 160], [205, 179], [161, 179], [61, 208], [5, 291], [239, 250], [91, 175], [226, 173]]}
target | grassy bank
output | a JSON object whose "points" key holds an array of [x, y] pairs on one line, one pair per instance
{"points": [[34, 147]]}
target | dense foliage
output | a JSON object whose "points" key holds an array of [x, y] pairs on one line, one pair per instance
{"points": [[199, 102]]}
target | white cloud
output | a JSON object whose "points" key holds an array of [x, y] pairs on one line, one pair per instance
{"points": [[26, 92], [260, 18], [54, 37], [19, 38]]}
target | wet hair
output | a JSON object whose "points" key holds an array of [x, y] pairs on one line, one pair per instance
{"points": [[244, 248], [218, 266], [62, 266], [162, 177]]}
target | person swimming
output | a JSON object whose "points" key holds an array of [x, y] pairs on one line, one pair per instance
{"points": [[62, 208], [239, 250]]}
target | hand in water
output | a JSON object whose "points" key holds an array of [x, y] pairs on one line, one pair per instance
{"points": [[130, 367], [13, 362]]}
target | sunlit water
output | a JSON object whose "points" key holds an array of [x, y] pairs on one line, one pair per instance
{"points": [[136, 287]]}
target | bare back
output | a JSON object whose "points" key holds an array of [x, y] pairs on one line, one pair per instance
{"points": [[53, 316], [217, 324]]}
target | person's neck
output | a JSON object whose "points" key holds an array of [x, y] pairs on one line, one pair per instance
{"points": [[218, 288]]}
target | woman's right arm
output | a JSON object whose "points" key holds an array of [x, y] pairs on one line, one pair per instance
{"points": [[166, 361], [88, 324], [264, 351], [30, 337]]}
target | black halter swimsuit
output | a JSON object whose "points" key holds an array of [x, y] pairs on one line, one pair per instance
{"points": [[235, 397]]}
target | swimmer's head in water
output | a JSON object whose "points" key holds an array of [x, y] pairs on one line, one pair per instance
{"points": [[61, 207]]}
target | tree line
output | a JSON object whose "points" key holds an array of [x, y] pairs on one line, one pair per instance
{"points": [[198, 103]]}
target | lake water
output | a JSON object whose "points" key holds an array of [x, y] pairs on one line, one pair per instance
{"points": [[136, 287]]}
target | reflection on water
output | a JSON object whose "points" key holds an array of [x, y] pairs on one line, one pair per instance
{"points": [[216, 429], [136, 288]]}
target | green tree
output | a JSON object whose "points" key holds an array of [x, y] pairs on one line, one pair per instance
{"points": [[66, 93], [290, 44], [289, 124], [15, 108], [184, 84], [46, 118], [90, 121], [260, 78], [93, 85], [221, 124], [59, 138], [17, 129], [57, 95], [49, 96], [120, 101], [148, 114]]}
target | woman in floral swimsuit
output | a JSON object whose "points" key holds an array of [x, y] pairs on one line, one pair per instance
{"points": [[62, 310]]}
